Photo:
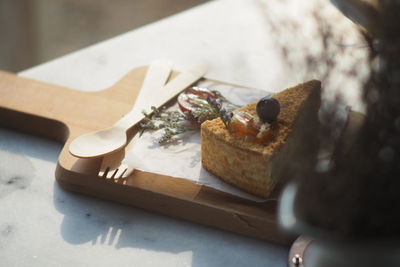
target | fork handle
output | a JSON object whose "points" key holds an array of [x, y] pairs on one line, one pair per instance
{"points": [[162, 96], [156, 76]]}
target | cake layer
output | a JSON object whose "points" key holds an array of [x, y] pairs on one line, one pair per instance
{"points": [[257, 168]]}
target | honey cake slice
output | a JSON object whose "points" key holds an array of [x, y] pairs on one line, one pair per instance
{"points": [[257, 168]]}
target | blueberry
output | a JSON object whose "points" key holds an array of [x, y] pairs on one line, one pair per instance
{"points": [[268, 109]]}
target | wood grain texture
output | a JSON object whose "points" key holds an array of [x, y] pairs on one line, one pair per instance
{"points": [[62, 114]]}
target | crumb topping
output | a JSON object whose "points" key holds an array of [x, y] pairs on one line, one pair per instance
{"points": [[290, 100]]}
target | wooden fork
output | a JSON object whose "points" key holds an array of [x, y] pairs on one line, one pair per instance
{"points": [[115, 167]]}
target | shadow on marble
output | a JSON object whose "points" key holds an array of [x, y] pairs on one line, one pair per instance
{"points": [[12, 176], [16, 152], [95, 221], [30, 146]]}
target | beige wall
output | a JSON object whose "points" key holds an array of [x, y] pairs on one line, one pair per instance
{"points": [[39, 30]]}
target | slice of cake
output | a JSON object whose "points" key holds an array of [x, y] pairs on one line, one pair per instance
{"points": [[256, 165]]}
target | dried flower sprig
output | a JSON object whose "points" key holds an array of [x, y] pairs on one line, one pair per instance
{"points": [[219, 111], [174, 122]]}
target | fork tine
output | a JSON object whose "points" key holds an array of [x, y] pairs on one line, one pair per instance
{"points": [[112, 174], [118, 178], [128, 171], [103, 173], [122, 172], [115, 167], [118, 173]]}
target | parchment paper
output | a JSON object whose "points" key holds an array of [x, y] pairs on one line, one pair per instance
{"points": [[182, 159]]}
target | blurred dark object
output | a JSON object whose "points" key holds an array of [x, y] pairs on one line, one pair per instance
{"points": [[351, 208], [361, 12], [307, 252], [359, 195]]}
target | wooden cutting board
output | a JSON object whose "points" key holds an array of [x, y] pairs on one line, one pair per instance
{"points": [[62, 114]]}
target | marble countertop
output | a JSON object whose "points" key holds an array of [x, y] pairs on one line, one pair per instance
{"points": [[43, 225]]}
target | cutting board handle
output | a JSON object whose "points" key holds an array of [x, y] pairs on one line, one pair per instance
{"points": [[58, 112], [29, 106]]}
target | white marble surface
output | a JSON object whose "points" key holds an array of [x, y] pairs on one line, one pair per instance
{"points": [[43, 225]]}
